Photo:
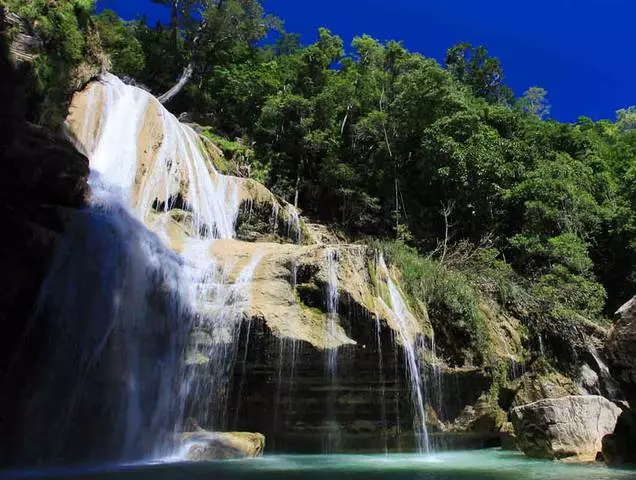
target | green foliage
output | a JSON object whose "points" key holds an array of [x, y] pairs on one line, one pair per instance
{"points": [[534, 102], [119, 41], [389, 144], [483, 74], [451, 299], [63, 28]]}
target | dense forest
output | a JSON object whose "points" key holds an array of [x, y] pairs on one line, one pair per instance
{"points": [[470, 190]]}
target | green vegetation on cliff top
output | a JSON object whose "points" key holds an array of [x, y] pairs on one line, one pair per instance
{"points": [[481, 194]]}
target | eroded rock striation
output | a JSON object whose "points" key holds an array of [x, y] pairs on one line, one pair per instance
{"points": [[564, 428]]}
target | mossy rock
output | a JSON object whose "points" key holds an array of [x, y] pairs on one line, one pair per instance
{"points": [[533, 387]]}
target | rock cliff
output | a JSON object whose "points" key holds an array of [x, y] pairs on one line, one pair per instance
{"points": [[321, 348], [44, 181]]}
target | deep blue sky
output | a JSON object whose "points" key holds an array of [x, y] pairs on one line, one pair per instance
{"points": [[581, 51]]}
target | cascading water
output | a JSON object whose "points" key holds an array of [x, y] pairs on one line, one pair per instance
{"points": [[293, 224], [118, 343], [155, 192], [331, 305], [332, 298], [138, 301], [381, 383], [403, 316], [436, 379], [143, 178]]}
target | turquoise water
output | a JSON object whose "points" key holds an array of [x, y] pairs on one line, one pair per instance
{"points": [[473, 465]]}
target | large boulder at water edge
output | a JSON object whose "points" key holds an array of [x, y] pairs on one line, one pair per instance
{"points": [[620, 447], [568, 427], [205, 446], [621, 349]]}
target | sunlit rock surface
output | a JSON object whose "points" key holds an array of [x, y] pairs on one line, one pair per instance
{"points": [[567, 427], [204, 446]]}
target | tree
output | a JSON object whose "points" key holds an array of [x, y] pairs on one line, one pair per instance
{"points": [[64, 35], [626, 119], [119, 41], [482, 73], [213, 31], [534, 102]]}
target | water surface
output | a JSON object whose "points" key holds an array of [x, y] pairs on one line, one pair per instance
{"points": [[473, 465]]}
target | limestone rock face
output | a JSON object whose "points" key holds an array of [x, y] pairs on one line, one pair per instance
{"points": [[25, 45], [564, 427], [204, 446]]}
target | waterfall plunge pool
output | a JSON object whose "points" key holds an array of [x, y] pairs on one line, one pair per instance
{"points": [[491, 464]]}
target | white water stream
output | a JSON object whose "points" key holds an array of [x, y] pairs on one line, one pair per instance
{"points": [[405, 320], [145, 166]]}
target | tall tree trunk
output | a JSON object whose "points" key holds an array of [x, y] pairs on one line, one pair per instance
{"points": [[186, 75], [188, 71]]}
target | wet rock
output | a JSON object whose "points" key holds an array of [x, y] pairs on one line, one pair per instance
{"points": [[507, 436], [589, 380], [44, 179], [619, 448], [204, 446], [568, 427], [621, 349]]}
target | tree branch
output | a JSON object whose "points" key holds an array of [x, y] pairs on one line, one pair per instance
{"points": [[188, 71]]}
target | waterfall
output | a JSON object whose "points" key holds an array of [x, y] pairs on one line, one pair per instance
{"points": [[331, 306], [125, 302], [144, 177], [293, 224], [409, 341], [436, 374], [331, 260], [381, 383], [115, 357]]}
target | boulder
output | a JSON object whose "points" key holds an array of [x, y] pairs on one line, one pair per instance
{"points": [[621, 349], [567, 427], [205, 446], [507, 436], [619, 448]]}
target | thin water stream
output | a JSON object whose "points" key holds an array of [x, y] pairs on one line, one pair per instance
{"points": [[405, 321]]}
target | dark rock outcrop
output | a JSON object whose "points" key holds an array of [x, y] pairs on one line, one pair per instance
{"points": [[568, 427], [621, 348], [619, 448], [43, 178]]}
